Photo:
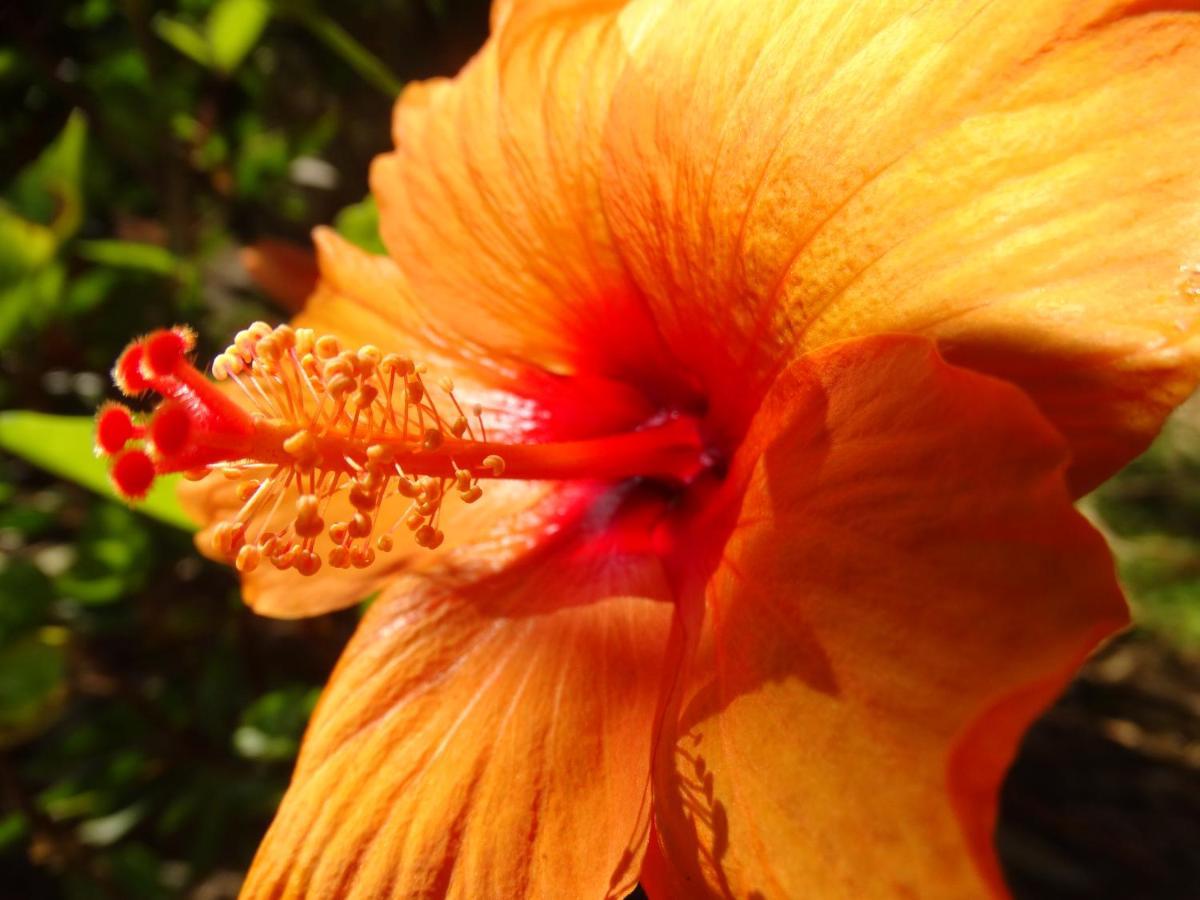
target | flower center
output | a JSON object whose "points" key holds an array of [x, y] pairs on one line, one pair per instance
{"points": [[322, 422]]}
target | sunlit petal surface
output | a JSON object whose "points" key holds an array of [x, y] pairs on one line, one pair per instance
{"points": [[492, 737], [904, 586]]}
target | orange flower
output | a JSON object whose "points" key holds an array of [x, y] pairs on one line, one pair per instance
{"points": [[795, 328]]}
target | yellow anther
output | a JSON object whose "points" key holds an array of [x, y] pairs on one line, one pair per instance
{"points": [[462, 479], [365, 396], [286, 336], [284, 559], [228, 537], [248, 558], [307, 562], [360, 525], [269, 348], [327, 347], [471, 494], [384, 543], [302, 446], [394, 363], [369, 357], [340, 386], [340, 365], [244, 343], [406, 487], [459, 428], [265, 367], [305, 340], [429, 537], [362, 498], [339, 532], [229, 364], [308, 518], [379, 454], [494, 464], [310, 365], [446, 385]]}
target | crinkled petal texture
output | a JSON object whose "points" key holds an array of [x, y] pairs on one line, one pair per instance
{"points": [[783, 175], [487, 739], [491, 201], [904, 586], [738, 183]]}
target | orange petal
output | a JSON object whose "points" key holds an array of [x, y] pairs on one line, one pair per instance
{"points": [[491, 738], [783, 175], [505, 523], [490, 204], [905, 585]]}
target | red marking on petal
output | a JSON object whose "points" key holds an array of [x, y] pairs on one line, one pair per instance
{"points": [[170, 429], [127, 373], [132, 474], [114, 428]]}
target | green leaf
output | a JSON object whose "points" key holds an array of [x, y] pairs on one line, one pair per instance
{"points": [[33, 684], [233, 28], [49, 190], [185, 38], [24, 245], [359, 224], [63, 445], [89, 290], [132, 255]]}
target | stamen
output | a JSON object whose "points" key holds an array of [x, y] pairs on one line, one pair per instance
{"points": [[324, 423]]}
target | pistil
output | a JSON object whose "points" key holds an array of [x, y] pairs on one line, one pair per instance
{"points": [[317, 423]]}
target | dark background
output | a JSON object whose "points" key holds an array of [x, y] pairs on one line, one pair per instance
{"points": [[148, 721]]}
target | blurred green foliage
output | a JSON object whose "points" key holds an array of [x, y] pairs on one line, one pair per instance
{"points": [[148, 721], [1150, 514]]}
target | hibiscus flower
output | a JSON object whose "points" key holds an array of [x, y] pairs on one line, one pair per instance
{"points": [[779, 339]]}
